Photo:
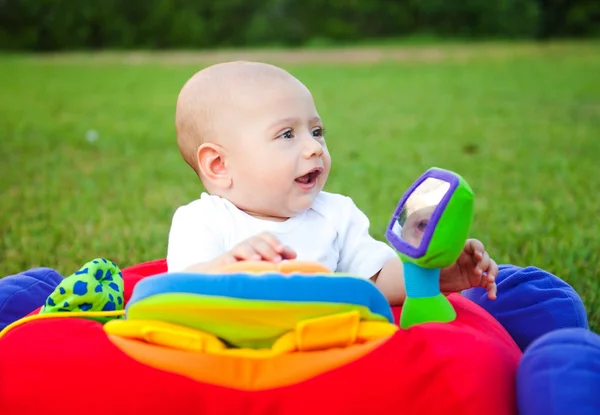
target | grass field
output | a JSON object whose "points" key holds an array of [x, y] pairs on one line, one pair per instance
{"points": [[90, 165]]}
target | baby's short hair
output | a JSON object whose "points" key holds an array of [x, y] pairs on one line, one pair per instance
{"points": [[209, 91]]}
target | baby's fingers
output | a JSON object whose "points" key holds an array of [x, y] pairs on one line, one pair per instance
{"points": [[483, 264], [492, 271], [474, 247], [288, 253], [272, 241], [245, 252], [492, 290], [265, 249], [489, 275], [282, 251]]}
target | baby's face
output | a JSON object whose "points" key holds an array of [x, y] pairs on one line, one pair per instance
{"points": [[278, 157], [415, 225]]}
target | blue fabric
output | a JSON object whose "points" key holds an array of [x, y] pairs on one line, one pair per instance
{"points": [[531, 302], [22, 293], [560, 374], [268, 286]]}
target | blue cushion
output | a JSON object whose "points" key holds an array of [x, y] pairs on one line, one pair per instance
{"points": [[531, 302], [269, 286], [22, 293], [560, 374]]}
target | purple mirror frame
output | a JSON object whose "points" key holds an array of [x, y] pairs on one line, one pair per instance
{"points": [[405, 247]]}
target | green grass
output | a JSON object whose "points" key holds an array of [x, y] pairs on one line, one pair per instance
{"points": [[522, 128]]}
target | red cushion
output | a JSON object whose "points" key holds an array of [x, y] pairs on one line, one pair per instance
{"points": [[146, 269], [61, 365], [464, 367], [132, 275]]}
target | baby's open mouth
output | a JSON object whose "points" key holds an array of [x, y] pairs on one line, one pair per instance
{"points": [[310, 177]]}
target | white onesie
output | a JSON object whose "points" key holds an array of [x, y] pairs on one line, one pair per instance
{"points": [[333, 232]]}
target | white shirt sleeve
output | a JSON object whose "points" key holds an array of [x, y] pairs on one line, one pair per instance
{"points": [[360, 254], [192, 238]]}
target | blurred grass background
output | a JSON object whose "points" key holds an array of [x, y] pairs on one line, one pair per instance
{"points": [[91, 168]]}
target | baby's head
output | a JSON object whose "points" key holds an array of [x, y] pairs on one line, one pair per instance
{"points": [[252, 133]]}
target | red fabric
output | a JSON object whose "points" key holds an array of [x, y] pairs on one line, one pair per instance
{"points": [[133, 274], [36, 311], [69, 365], [465, 367], [146, 269]]}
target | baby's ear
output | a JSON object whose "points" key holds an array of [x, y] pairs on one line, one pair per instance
{"points": [[211, 165]]}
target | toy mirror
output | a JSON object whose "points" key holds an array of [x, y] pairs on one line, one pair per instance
{"points": [[432, 220], [429, 229], [411, 224]]}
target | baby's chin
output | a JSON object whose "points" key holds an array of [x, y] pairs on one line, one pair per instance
{"points": [[283, 209], [284, 213], [275, 215], [303, 204]]}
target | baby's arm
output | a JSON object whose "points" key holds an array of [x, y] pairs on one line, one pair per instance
{"points": [[390, 281], [364, 256]]}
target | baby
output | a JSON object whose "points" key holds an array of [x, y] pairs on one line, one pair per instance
{"points": [[252, 134]]}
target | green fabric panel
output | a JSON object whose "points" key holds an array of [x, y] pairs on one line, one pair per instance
{"points": [[238, 322]]}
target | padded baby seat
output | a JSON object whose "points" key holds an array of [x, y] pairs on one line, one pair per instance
{"points": [[291, 340]]}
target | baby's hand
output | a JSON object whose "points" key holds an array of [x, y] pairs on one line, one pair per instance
{"points": [[474, 268], [262, 247]]}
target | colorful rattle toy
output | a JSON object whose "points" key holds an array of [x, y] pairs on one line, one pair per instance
{"points": [[429, 229]]}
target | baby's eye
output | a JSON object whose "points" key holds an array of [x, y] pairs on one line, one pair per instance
{"points": [[288, 134], [318, 132], [422, 225]]}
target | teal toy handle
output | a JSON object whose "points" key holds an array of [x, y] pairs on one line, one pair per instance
{"points": [[424, 302]]}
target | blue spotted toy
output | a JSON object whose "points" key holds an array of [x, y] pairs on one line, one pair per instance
{"points": [[97, 286]]}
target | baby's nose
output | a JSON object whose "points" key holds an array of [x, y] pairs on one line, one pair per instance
{"points": [[313, 148]]}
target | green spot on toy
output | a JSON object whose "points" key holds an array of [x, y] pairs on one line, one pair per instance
{"points": [[94, 288], [429, 229]]}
